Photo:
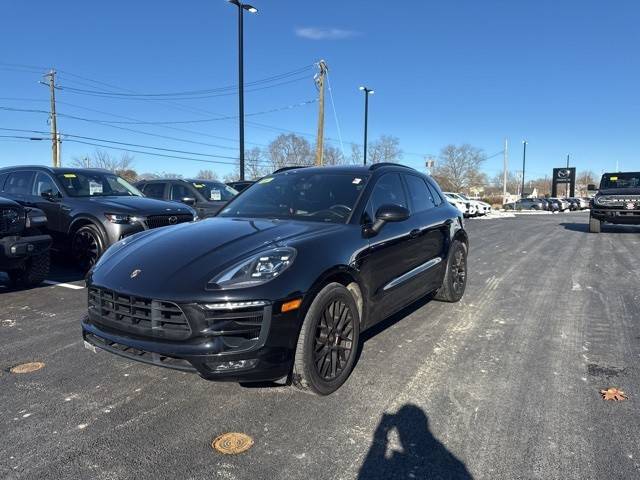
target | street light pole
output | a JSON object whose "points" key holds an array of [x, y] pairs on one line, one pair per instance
{"points": [[524, 160], [241, 8], [367, 92]]}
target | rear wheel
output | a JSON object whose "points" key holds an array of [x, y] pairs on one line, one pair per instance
{"points": [[455, 277], [595, 225], [328, 341], [87, 245]]}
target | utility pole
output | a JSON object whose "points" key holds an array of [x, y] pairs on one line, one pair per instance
{"points": [[319, 78], [504, 170], [367, 92], [568, 168], [524, 160], [55, 137]]}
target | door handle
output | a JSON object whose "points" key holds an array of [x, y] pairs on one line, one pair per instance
{"points": [[448, 221], [414, 233]]}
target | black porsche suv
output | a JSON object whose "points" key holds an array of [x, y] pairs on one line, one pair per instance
{"points": [[88, 209], [24, 250], [279, 285], [616, 201]]}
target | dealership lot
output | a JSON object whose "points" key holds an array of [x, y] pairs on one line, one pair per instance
{"points": [[508, 380]]}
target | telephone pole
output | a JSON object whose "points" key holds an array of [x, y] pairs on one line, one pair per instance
{"points": [[367, 92], [567, 169], [524, 161], [504, 170], [55, 137], [319, 78]]}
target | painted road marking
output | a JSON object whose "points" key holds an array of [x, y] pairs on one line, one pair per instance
{"points": [[65, 285]]}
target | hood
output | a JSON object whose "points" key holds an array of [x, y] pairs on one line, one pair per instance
{"points": [[186, 256], [619, 191], [138, 205]]}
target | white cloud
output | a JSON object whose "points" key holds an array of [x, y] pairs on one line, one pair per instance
{"points": [[315, 33]]}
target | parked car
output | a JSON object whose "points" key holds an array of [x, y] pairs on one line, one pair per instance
{"points": [[24, 250], [581, 203], [206, 196], [480, 208], [280, 284], [465, 207], [526, 204], [617, 200], [88, 209], [563, 205], [241, 185]]}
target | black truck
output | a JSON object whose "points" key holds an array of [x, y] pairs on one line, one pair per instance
{"points": [[24, 251], [616, 201]]}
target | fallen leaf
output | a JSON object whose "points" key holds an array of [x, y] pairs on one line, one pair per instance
{"points": [[613, 394]]}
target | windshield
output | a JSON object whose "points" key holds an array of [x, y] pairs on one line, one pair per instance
{"points": [[321, 197], [463, 196], [96, 184], [215, 191], [620, 180]]}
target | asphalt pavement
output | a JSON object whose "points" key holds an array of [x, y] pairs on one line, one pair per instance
{"points": [[503, 385]]}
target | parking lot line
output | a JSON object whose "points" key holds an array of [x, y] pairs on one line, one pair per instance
{"points": [[65, 285]]}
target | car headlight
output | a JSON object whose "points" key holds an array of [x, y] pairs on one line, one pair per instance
{"points": [[255, 270], [122, 219]]}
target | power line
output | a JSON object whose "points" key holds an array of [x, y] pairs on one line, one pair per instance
{"points": [[335, 114]]}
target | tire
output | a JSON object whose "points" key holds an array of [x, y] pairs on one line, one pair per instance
{"points": [[87, 245], [331, 324], [35, 270], [455, 276], [595, 225]]}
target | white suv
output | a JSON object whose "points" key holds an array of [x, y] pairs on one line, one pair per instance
{"points": [[476, 207]]}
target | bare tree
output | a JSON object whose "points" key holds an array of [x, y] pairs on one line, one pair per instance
{"points": [[207, 175], [333, 156], [458, 168], [513, 181], [254, 164], [102, 159], [385, 149], [583, 179], [290, 150], [356, 154]]}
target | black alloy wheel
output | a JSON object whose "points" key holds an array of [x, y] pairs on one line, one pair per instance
{"points": [[328, 341], [455, 277], [333, 340], [87, 246]]}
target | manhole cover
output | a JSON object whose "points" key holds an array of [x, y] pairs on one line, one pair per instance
{"points": [[27, 367], [232, 443], [613, 394]]}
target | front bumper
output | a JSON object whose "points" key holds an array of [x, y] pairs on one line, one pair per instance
{"points": [[19, 248], [619, 216], [207, 348]]}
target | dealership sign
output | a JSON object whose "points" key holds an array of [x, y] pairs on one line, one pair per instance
{"points": [[564, 176]]}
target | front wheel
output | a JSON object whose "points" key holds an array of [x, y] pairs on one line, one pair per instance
{"points": [[455, 277], [328, 341], [86, 246], [35, 270], [594, 225]]}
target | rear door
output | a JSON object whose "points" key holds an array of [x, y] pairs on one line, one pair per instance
{"points": [[51, 207], [428, 239], [18, 186], [155, 190]]}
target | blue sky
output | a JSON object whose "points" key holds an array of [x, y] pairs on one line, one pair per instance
{"points": [[564, 75]]}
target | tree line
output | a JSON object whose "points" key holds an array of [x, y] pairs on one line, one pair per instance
{"points": [[458, 168]]}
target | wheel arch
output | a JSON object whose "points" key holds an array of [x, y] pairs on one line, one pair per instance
{"points": [[84, 220]]}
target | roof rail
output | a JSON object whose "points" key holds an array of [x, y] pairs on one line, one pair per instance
{"points": [[375, 166], [284, 169]]}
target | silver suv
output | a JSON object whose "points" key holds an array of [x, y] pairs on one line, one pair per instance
{"points": [[88, 209]]}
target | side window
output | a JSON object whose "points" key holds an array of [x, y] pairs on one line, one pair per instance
{"points": [[19, 182], [387, 190], [3, 178], [179, 191], [154, 190], [420, 195], [437, 199], [44, 183]]}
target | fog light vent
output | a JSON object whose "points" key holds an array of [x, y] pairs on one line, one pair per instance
{"points": [[232, 365]]}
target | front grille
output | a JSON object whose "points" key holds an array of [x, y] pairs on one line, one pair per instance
{"points": [[12, 221], [142, 316], [156, 221]]}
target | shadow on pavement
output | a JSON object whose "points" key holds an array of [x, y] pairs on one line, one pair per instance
{"points": [[62, 270], [419, 454], [606, 228]]}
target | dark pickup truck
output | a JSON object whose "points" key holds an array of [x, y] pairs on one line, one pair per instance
{"points": [[24, 252], [616, 201]]}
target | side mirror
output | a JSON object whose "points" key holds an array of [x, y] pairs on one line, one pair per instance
{"points": [[386, 213], [189, 201], [591, 187], [49, 195]]}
